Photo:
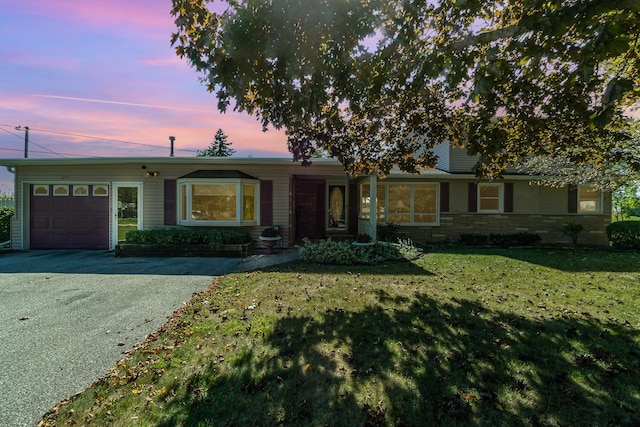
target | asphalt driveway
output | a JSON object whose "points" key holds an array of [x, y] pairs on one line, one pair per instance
{"points": [[66, 317]]}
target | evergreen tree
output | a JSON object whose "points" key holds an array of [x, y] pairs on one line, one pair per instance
{"points": [[220, 147]]}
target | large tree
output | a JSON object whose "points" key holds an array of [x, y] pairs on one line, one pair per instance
{"points": [[378, 82]]}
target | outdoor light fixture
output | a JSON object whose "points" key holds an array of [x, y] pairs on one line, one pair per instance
{"points": [[152, 174]]}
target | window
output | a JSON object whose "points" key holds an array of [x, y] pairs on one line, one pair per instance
{"points": [[403, 203], [218, 202], [490, 197], [589, 200], [365, 201]]}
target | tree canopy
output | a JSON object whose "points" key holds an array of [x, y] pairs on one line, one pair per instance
{"points": [[376, 83], [220, 147]]}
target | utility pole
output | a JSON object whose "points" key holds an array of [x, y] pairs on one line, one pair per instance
{"points": [[26, 139]]}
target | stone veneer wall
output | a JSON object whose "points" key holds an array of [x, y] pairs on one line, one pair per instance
{"points": [[452, 225]]}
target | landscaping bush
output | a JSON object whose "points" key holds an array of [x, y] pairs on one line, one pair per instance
{"points": [[187, 237], [474, 239], [388, 232], [6, 212], [344, 253], [624, 234], [499, 239]]}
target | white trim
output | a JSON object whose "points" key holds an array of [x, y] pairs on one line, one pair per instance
{"points": [[500, 186], [114, 208], [238, 182], [589, 212]]}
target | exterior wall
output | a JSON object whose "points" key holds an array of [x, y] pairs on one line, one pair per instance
{"points": [[452, 225], [153, 187], [460, 161], [442, 151]]}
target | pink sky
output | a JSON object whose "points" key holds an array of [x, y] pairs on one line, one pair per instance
{"points": [[106, 69]]}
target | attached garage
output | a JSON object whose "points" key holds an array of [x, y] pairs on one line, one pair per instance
{"points": [[69, 216]]}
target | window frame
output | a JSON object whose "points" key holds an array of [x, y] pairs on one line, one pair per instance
{"points": [[500, 187], [599, 209], [185, 197], [383, 217]]}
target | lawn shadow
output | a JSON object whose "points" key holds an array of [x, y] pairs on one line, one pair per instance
{"points": [[569, 260], [415, 361]]}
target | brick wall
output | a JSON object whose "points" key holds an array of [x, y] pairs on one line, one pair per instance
{"points": [[452, 225]]}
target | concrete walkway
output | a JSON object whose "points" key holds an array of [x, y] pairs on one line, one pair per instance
{"points": [[66, 317]]}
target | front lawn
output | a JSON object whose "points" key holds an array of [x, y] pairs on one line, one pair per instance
{"points": [[456, 337]]}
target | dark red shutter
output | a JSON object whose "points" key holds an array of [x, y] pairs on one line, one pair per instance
{"points": [[573, 199], [473, 197], [170, 202], [266, 203], [354, 205], [444, 197], [508, 197]]}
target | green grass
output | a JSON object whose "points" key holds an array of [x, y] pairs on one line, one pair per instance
{"points": [[456, 337]]}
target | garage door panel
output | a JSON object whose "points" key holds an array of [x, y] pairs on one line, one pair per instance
{"points": [[69, 222]]}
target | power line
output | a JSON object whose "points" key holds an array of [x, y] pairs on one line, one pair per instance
{"points": [[48, 152], [100, 138]]}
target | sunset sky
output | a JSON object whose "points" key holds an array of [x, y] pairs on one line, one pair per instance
{"points": [[74, 71]]}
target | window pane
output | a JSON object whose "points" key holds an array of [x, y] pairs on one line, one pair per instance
{"points": [[248, 202], [489, 204], [215, 202], [424, 199], [489, 191], [425, 218], [589, 199], [365, 201], [396, 217], [399, 203], [380, 200]]}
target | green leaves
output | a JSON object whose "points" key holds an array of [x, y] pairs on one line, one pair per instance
{"points": [[375, 83]]}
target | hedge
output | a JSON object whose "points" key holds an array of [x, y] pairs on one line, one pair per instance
{"points": [[6, 212], [498, 239], [198, 236], [624, 234]]}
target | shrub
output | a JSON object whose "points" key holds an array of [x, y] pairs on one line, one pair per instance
{"points": [[624, 234], [500, 239], [178, 236], [474, 239], [388, 232], [344, 253], [6, 212], [572, 230]]}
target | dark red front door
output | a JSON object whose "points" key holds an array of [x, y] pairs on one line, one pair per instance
{"points": [[309, 202]]}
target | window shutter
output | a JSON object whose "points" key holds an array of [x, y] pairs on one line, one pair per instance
{"points": [[508, 197], [170, 202], [266, 203], [473, 197], [573, 199], [444, 197]]}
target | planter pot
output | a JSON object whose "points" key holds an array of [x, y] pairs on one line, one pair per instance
{"points": [[232, 250], [269, 243]]}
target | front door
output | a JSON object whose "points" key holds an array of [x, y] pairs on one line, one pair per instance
{"points": [[309, 202], [127, 210]]}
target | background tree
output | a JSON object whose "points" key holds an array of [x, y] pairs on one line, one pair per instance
{"points": [[220, 147], [626, 201], [378, 82]]}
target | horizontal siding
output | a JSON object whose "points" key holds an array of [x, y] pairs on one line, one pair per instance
{"points": [[460, 161], [442, 151]]}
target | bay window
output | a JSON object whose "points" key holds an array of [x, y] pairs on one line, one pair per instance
{"points": [[218, 202]]}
